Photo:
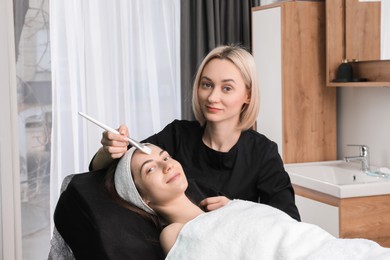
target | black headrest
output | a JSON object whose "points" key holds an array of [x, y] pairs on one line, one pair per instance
{"points": [[96, 227]]}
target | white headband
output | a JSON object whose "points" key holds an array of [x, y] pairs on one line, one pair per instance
{"points": [[124, 183]]}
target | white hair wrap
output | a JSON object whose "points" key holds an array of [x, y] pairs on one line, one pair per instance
{"points": [[125, 185]]}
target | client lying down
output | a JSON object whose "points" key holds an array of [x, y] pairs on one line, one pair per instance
{"points": [[156, 183]]}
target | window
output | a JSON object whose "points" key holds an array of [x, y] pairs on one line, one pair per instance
{"points": [[33, 74]]}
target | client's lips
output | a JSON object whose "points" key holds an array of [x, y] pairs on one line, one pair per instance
{"points": [[173, 177]]}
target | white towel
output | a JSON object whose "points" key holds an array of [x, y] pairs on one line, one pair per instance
{"points": [[247, 230]]}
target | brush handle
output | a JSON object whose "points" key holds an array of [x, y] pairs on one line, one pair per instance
{"points": [[139, 146], [105, 127]]}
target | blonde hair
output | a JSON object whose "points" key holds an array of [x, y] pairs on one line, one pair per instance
{"points": [[245, 63]]}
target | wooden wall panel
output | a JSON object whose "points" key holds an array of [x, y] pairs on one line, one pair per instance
{"points": [[309, 110]]}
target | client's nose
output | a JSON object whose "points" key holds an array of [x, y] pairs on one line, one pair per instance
{"points": [[167, 167]]}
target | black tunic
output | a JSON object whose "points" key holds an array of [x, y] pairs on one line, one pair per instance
{"points": [[252, 169]]}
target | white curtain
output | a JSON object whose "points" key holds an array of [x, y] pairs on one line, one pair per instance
{"points": [[117, 61]]}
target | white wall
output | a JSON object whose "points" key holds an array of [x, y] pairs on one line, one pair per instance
{"points": [[363, 117]]}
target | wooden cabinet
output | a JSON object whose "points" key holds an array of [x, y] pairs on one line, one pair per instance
{"points": [[297, 111], [362, 30], [352, 32], [358, 217]]}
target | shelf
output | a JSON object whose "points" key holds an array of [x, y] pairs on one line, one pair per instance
{"points": [[359, 84], [376, 71]]}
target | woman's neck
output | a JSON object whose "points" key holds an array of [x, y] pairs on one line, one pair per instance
{"points": [[181, 210], [220, 137]]}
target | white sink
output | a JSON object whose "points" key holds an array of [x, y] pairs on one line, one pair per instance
{"points": [[337, 178]]}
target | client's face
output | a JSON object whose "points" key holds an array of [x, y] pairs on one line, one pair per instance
{"points": [[158, 177]]}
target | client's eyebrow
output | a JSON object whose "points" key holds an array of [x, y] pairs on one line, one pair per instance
{"points": [[151, 160]]}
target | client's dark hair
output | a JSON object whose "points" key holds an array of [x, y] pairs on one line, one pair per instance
{"points": [[109, 185]]}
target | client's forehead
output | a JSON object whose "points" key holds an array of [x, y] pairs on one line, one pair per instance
{"points": [[139, 156]]}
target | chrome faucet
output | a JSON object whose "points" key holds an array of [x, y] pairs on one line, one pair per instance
{"points": [[363, 157]]}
